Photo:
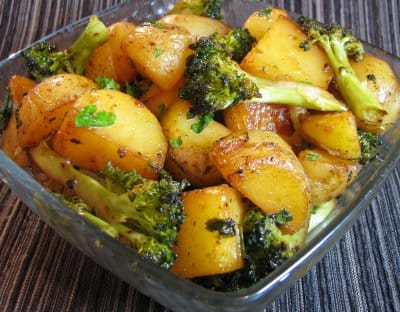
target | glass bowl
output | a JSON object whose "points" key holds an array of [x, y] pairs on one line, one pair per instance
{"points": [[163, 286]]}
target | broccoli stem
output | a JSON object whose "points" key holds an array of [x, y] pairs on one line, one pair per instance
{"points": [[94, 34], [296, 94], [100, 223], [358, 97]]}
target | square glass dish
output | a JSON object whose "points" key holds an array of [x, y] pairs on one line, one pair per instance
{"points": [[163, 286]]}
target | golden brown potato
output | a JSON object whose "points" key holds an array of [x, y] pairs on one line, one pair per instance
{"points": [[329, 175], [262, 166], [257, 116], [259, 22], [109, 59], [158, 100], [203, 252], [159, 53], [44, 107], [195, 24], [334, 132], [122, 64], [190, 159], [132, 142], [379, 77], [19, 87], [278, 56]]}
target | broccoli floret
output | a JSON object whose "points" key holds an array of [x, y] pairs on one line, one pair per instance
{"points": [[6, 109], [208, 8], [340, 46], [148, 213], [44, 60], [369, 142], [215, 81], [265, 248]]}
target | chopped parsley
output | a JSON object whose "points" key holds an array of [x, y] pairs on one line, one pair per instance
{"points": [[90, 117], [204, 120], [157, 52], [225, 227], [282, 217], [154, 23], [312, 156], [107, 83], [265, 12], [175, 143]]}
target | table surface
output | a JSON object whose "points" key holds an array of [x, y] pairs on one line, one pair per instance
{"points": [[39, 271]]}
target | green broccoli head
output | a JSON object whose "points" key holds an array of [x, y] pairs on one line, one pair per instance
{"points": [[44, 60], [331, 35], [151, 207], [369, 142], [340, 46], [208, 8], [266, 247], [214, 79]]}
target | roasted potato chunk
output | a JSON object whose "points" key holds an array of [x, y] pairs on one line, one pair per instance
{"points": [[189, 159], [260, 22], [278, 56], [159, 53], [200, 250], [334, 132], [329, 175], [379, 77], [263, 167], [200, 26], [124, 143], [45, 106]]}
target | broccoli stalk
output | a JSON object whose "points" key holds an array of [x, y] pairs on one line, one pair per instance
{"points": [[265, 248], [215, 81], [150, 208], [208, 8], [341, 46], [44, 60]]}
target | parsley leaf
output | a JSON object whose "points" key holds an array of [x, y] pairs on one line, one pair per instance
{"points": [[225, 227], [175, 143], [312, 156], [265, 12], [157, 52], [204, 120], [89, 117], [107, 83]]}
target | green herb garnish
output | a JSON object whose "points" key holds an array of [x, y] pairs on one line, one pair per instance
{"points": [[312, 156], [107, 83], [89, 117], [175, 143], [265, 12], [204, 120]]}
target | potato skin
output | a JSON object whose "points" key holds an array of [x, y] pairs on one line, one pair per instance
{"points": [[159, 53], [195, 24], [329, 175], [202, 252], [334, 132], [19, 87], [109, 59], [378, 76], [257, 116], [264, 169], [44, 107], [278, 56], [191, 159], [258, 24], [125, 143]]}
